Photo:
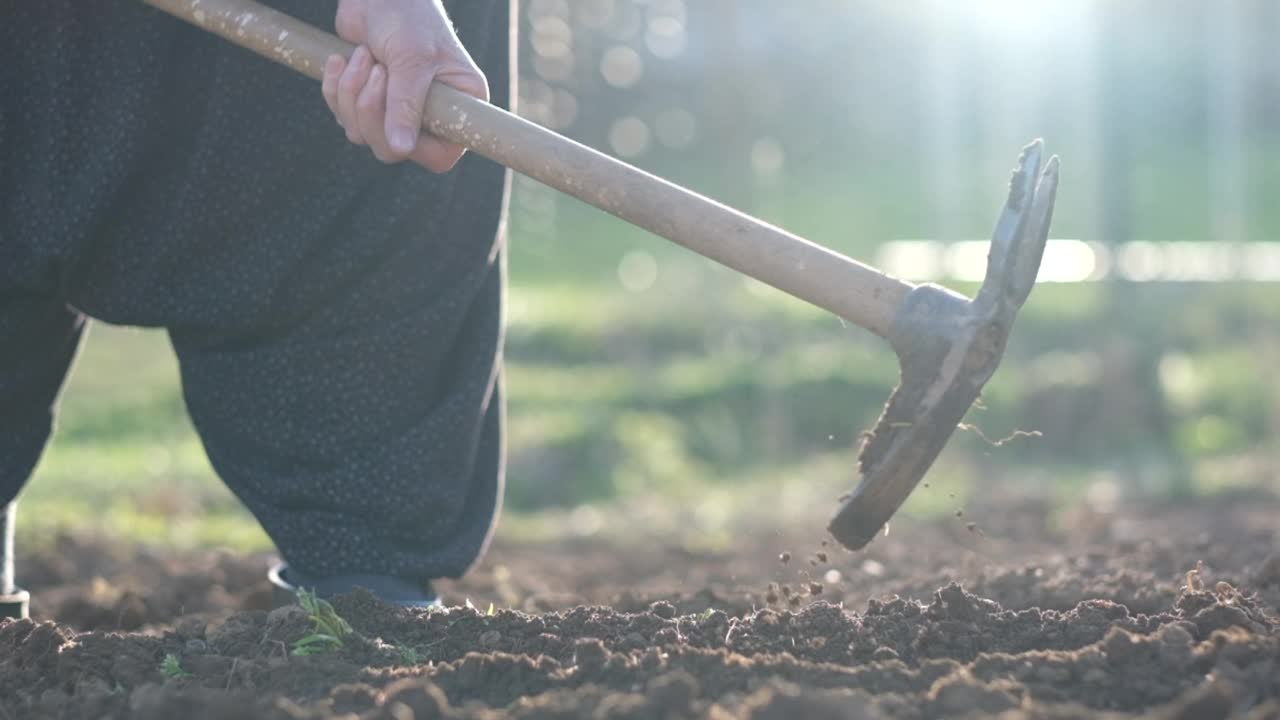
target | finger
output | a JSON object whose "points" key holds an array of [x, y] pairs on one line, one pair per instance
{"points": [[351, 83], [407, 86], [329, 85], [466, 77], [371, 111], [436, 155]]}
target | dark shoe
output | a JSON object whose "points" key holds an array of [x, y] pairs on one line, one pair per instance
{"points": [[393, 590]]}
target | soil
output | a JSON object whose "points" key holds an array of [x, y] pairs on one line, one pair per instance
{"points": [[1167, 610]]}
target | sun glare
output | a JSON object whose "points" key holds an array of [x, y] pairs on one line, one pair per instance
{"points": [[1019, 18]]}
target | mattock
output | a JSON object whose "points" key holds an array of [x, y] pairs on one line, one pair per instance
{"points": [[948, 345]]}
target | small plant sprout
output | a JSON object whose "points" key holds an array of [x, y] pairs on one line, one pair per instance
{"points": [[330, 628], [408, 655], [171, 668]]}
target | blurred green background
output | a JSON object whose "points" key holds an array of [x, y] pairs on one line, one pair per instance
{"points": [[639, 370]]}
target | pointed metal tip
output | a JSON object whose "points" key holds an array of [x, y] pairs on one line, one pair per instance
{"points": [[1031, 155], [1049, 178], [1025, 177]]}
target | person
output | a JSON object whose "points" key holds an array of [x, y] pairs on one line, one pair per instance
{"points": [[331, 279]]}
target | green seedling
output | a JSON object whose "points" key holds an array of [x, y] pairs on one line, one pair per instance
{"points": [[171, 668], [330, 629], [408, 655]]}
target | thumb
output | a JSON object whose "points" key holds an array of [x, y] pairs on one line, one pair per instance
{"points": [[407, 86]]}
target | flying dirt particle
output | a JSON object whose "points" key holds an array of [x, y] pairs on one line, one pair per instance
{"points": [[951, 495], [815, 588], [794, 601], [826, 543], [822, 557], [786, 590], [771, 598], [784, 558], [959, 513], [973, 528], [926, 484], [873, 568]]}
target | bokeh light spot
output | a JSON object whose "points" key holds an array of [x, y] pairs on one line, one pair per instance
{"points": [[637, 271], [629, 137], [621, 66]]}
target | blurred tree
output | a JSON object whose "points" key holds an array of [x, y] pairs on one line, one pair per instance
{"points": [[1132, 411]]}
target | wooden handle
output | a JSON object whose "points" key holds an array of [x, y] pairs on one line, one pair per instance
{"points": [[845, 287]]}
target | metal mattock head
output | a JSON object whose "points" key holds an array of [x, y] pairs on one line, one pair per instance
{"points": [[948, 347]]}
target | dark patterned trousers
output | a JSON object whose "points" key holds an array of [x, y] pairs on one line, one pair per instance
{"points": [[337, 322]]}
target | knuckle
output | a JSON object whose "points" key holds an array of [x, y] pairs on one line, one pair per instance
{"points": [[348, 20], [351, 85], [413, 61]]}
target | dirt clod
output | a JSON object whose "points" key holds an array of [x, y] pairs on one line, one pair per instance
{"points": [[663, 609], [421, 698]]}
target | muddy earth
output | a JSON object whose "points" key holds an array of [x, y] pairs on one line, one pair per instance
{"points": [[1011, 611]]}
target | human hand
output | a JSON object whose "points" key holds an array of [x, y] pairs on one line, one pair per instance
{"points": [[378, 95]]}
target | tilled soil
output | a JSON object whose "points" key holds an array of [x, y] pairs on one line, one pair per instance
{"points": [[1171, 611]]}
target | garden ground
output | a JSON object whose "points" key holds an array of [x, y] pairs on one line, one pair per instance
{"points": [[1164, 608]]}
